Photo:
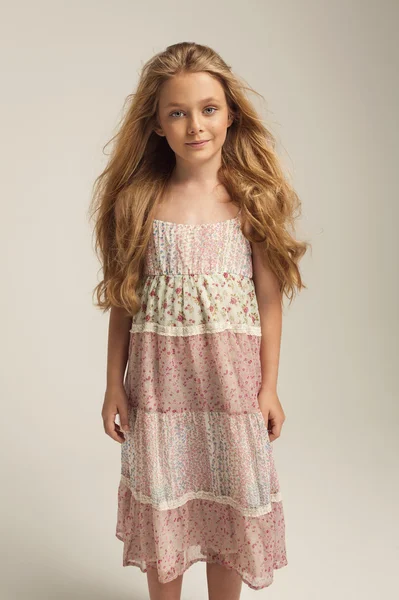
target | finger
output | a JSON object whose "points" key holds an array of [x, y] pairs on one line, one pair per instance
{"points": [[111, 430], [124, 418], [119, 430], [275, 431]]}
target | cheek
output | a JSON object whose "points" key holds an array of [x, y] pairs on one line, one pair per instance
{"points": [[175, 135], [219, 127], [176, 130], [172, 134]]}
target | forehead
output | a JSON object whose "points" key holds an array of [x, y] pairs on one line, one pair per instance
{"points": [[190, 89]]}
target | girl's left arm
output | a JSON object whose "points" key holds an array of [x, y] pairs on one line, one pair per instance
{"points": [[268, 297]]}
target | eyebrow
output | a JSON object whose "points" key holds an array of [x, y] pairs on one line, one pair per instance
{"points": [[211, 99]]}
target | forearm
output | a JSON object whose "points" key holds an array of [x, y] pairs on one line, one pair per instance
{"points": [[271, 324], [118, 345]]}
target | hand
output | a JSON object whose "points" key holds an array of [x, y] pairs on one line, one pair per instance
{"points": [[272, 411], [115, 402]]}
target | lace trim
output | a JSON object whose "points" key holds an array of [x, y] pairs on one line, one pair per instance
{"points": [[249, 512], [184, 330]]}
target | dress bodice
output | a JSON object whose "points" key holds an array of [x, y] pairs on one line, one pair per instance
{"points": [[180, 248]]}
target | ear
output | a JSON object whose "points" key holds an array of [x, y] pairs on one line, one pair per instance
{"points": [[230, 119], [157, 126]]}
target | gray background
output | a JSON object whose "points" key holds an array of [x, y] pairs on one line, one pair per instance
{"points": [[328, 73]]}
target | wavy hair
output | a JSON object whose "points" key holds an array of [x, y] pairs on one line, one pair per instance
{"points": [[127, 193]]}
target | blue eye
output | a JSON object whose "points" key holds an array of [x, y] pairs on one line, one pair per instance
{"points": [[207, 108]]}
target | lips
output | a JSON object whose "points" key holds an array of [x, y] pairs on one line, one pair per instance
{"points": [[197, 143]]}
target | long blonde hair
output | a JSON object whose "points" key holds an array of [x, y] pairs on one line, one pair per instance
{"points": [[128, 191]]}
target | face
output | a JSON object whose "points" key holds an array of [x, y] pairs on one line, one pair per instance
{"points": [[193, 107]]}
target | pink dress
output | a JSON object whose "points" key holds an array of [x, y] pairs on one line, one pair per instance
{"points": [[198, 480]]}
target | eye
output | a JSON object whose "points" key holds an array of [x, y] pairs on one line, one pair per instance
{"points": [[207, 108]]}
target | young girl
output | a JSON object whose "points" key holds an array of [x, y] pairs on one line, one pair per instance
{"points": [[192, 235]]}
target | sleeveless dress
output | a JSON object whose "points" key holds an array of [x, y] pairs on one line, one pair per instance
{"points": [[198, 480]]}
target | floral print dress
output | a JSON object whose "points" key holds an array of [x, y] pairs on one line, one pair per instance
{"points": [[198, 480]]}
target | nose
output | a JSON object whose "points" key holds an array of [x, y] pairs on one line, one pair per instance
{"points": [[194, 125]]}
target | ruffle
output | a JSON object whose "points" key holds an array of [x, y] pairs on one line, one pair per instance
{"points": [[207, 372], [201, 530], [171, 458], [199, 303]]}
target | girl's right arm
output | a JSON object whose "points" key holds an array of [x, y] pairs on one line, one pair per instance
{"points": [[115, 400]]}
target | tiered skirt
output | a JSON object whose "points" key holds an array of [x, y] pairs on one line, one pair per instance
{"points": [[198, 480]]}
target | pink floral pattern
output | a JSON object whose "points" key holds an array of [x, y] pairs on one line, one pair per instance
{"points": [[198, 480]]}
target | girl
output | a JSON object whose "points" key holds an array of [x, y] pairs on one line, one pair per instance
{"points": [[192, 235]]}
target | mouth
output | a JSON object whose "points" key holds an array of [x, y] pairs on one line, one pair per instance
{"points": [[198, 144]]}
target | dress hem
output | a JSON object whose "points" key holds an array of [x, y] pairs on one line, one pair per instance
{"points": [[137, 563]]}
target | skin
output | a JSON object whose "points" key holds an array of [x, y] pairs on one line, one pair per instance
{"points": [[195, 194]]}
